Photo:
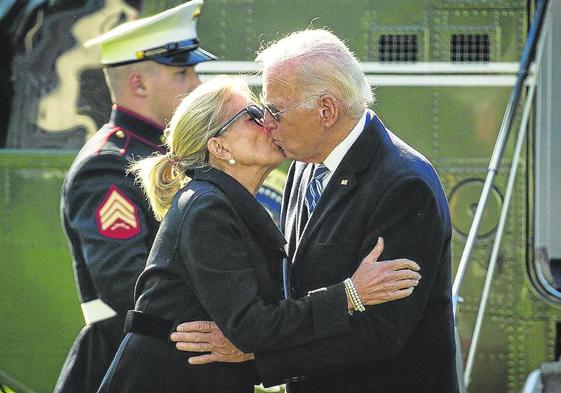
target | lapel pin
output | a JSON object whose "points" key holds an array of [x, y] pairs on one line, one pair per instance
{"points": [[344, 182]]}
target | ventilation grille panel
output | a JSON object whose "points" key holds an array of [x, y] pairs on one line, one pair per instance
{"points": [[398, 48], [469, 48]]}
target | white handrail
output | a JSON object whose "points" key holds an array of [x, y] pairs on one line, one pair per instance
{"points": [[534, 41], [533, 383], [499, 235]]}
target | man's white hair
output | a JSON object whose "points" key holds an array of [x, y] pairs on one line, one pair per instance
{"points": [[323, 64]]}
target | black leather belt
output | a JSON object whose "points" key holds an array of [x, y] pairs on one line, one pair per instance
{"points": [[140, 322]]}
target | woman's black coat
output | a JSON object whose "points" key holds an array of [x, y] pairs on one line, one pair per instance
{"points": [[217, 256]]}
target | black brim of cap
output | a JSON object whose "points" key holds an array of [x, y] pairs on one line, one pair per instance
{"points": [[185, 58]]}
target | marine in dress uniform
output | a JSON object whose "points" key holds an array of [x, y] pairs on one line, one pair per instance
{"points": [[108, 222]]}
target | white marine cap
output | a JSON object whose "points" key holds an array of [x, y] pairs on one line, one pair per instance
{"points": [[169, 37]]}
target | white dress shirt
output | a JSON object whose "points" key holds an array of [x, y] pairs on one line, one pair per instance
{"points": [[334, 158]]}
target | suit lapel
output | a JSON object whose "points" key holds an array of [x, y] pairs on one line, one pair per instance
{"points": [[342, 183], [334, 193], [302, 216], [296, 216]]}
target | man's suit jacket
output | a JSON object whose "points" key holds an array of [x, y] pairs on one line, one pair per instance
{"points": [[385, 188]]}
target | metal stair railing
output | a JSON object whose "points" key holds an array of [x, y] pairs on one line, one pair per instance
{"points": [[533, 36]]}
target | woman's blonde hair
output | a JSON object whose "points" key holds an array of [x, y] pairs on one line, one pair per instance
{"points": [[194, 122]]}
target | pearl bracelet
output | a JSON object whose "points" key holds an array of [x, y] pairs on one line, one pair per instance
{"points": [[355, 299]]}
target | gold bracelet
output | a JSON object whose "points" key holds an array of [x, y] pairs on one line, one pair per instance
{"points": [[349, 296]]}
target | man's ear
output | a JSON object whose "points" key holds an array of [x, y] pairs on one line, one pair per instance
{"points": [[218, 149], [137, 83], [329, 110]]}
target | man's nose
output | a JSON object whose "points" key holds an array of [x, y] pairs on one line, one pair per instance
{"points": [[269, 122]]}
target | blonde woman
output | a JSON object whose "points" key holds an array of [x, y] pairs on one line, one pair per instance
{"points": [[217, 255]]}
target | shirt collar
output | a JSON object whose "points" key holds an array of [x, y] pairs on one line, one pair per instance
{"points": [[135, 123], [336, 156]]}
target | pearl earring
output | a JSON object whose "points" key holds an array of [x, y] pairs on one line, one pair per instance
{"points": [[232, 162]]}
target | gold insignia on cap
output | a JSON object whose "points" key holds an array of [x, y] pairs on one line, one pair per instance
{"points": [[344, 182], [120, 134], [197, 12], [139, 54]]}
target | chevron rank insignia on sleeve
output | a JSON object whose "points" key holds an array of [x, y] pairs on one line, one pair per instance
{"points": [[117, 216]]}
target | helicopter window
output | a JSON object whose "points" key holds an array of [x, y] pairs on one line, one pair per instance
{"points": [[398, 47], [469, 48]]}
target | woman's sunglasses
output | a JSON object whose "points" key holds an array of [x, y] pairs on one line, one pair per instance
{"points": [[255, 114]]}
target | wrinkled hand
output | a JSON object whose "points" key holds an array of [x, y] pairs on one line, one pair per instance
{"points": [[205, 336], [384, 281]]}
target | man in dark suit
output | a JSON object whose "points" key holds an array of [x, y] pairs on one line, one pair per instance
{"points": [[353, 181]]}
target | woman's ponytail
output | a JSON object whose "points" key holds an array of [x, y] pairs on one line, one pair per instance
{"points": [[159, 180], [194, 122]]}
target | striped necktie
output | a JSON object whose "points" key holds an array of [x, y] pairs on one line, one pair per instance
{"points": [[315, 187]]}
